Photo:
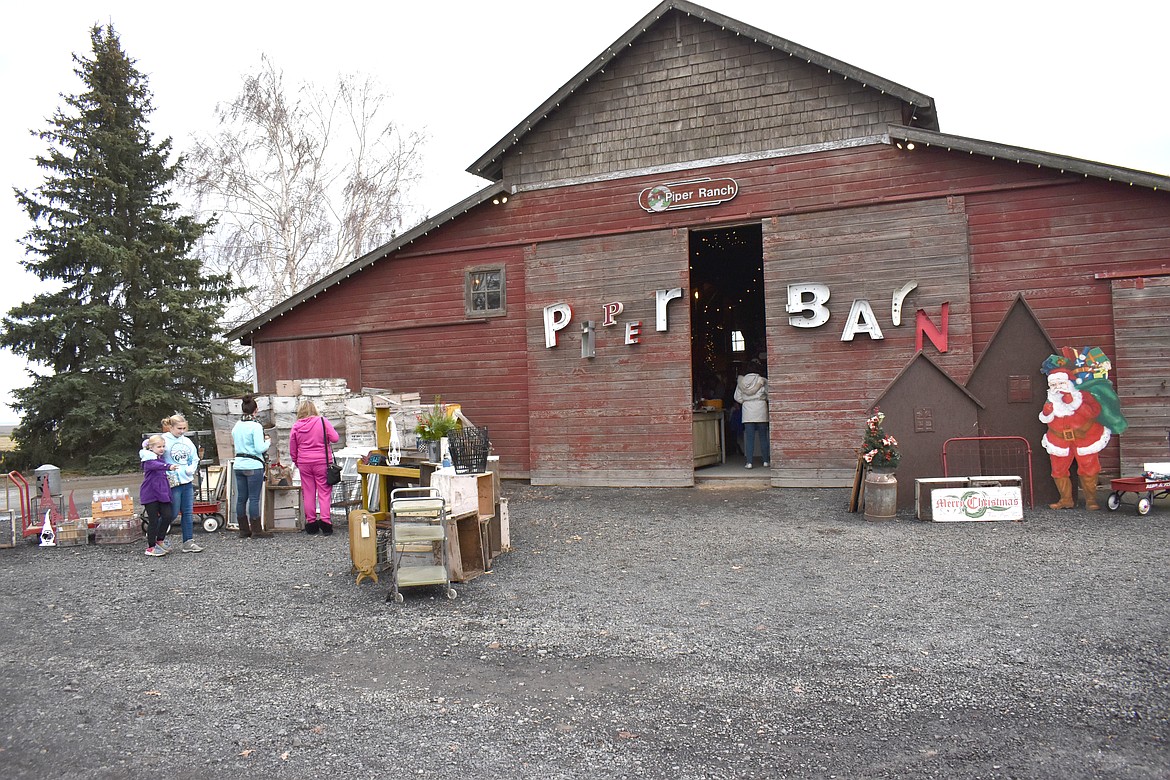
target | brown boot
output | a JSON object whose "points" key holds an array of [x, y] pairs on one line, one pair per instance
{"points": [[258, 528], [1089, 487], [245, 528], [1064, 485]]}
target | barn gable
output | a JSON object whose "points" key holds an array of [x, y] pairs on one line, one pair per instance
{"points": [[688, 84]]}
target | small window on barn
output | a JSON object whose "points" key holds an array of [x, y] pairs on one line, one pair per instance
{"points": [[737, 344], [1019, 389], [484, 295]]}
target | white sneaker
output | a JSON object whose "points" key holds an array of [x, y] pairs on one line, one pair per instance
{"points": [[765, 464], [747, 466], [191, 546]]}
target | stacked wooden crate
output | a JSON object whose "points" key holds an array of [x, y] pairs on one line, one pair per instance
{"points": [[117, 522], [282, 509], [277, 413]]}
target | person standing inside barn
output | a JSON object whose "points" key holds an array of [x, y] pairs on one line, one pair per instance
{"points": [[250, 443], [183, 453], [751, 392], [308, 447]]}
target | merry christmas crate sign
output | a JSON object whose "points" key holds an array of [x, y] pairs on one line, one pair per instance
{"points": [[977, 503]]}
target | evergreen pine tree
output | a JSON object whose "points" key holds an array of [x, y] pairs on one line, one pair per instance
{"points": [[128, 329]]}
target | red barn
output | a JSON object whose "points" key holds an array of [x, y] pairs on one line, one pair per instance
{"points": [[705, 193]]}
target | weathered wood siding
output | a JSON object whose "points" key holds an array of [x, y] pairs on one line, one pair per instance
{"points": [[327, 356], [691, 91], [1048, 242], [415, 336], [622, 417], [1141, 311], [863, 221], [821, 387]]}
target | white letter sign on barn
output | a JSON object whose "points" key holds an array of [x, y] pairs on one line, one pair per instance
{"points": [[687, 194], [558, 315]]}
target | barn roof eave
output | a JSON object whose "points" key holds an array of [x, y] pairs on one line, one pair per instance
{"points": [[1023, 156], [245, 331], [490, 164]]}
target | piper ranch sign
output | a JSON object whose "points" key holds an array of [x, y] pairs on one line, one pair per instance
{"points": [[687, 194]]}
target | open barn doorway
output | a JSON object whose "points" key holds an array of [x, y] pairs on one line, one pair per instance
{"points": [[728, 333]]}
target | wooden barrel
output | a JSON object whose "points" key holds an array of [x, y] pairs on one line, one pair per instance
{"points": [[881, 496]]}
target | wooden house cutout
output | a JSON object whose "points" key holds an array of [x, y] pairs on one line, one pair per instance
{"points": [[924, 407], [1007, 378]]}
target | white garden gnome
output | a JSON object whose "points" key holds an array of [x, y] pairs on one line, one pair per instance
{"points": [[48, 538]]}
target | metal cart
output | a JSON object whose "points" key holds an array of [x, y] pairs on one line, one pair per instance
{"points": [[208, 503], [1147, 490], [417, 516]]}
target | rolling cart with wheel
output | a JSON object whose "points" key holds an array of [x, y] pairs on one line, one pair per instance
{"points": [[417, 516], [208, 503], [1146, 489]]}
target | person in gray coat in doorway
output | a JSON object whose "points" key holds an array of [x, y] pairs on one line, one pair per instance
{"points": [[751, 391]]}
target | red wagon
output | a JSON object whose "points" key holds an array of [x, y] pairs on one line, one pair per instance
{"points": [[1147, 490]]}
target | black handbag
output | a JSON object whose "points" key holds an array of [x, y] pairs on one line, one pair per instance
{"points": [[332, 468]]}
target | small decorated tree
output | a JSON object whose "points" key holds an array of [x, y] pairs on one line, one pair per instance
{"points": [[877, 449], [436, 423]]}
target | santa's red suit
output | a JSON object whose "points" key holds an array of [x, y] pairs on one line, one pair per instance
{"points": [[1073, 432]]}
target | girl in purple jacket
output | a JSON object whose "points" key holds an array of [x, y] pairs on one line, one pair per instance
{"points": [[155, 495]]}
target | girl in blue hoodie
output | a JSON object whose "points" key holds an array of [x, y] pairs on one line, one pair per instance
{"points": [[182, 453]]}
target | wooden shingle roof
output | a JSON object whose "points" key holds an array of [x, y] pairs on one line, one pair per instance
{"points": [[920, 107]]}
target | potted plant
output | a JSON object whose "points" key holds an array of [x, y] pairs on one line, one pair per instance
{"points": [[433, 425], [877, 449], [880, 452]]}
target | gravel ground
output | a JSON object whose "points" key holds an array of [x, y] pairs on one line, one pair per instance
{"points": [[714, 632]]}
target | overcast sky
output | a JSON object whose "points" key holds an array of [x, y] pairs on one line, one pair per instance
{"points": [[1086, 83]]}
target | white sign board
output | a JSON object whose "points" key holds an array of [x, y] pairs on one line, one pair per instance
{"points": [[964, 504]]}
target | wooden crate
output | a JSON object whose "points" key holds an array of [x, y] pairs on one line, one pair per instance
{"points": [[282, 508], [118, 530], [71, 533], [922, 488], [465, 546], [112, 507], [10, 532], [467, 492]]}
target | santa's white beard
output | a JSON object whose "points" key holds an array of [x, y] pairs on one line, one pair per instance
{"points": [[1062, 409]]}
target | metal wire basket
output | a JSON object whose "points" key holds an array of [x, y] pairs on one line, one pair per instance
{"points": [[469, 450]]}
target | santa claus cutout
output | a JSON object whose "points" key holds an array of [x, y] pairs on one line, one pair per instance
{"points": [[1077, 428]]}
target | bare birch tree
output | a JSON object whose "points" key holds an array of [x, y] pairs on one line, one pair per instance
{"points": [[299, 184]]}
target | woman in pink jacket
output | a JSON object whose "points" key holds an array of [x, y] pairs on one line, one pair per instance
{"points": [[306, 446]]}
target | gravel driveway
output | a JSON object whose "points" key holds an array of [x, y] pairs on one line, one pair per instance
{"points": [[714, 632]]}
